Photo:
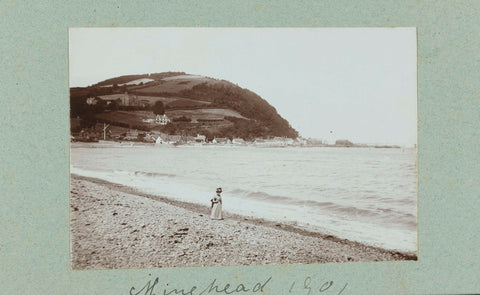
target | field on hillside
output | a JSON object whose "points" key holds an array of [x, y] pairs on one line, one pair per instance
{"points": [[174, 102], [132, 83], [187, 102], [222, 112], [135, 118], [186, 77], [204, 114], [183, 79], [130, 118], [113, 96], [176, 84], [170, 86], [138, 81], [151, 99]]}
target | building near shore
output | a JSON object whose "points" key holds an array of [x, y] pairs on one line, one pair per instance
{"points": [[128, 99], [200, 138], [238, 141], [172, 138], [162, 120], [188, 139], [131, 134], [221, 140], [283, 141]]}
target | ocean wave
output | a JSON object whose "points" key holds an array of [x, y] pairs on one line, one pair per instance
{"points": [[384, 217], [153, 174], [261, 196], [128, 173], [118, 172], [389, 215]]}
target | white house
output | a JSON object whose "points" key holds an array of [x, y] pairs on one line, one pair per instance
{"points": [[159, 140], [331, 138], [200, 138], [238, 141], [221, 140], [91, 101], [162, 119]]}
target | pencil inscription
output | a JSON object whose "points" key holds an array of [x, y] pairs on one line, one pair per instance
{"points": [[213, 288], [307, 287]]}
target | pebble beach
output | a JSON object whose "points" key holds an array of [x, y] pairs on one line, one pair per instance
{"points": [[114, 226]]}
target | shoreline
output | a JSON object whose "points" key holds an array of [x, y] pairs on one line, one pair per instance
{"points": [[112, 210], [125, 144]]}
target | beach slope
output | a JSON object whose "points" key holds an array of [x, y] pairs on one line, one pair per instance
{"points": [[114, 226]]}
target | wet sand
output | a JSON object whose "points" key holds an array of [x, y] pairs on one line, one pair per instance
{"points": [[114, 226]]}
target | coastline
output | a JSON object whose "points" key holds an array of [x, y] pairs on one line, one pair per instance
{"points": [[115, 226], [124, 144]]}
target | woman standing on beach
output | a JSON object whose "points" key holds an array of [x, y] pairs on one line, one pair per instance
{"points": [[217, 205]]}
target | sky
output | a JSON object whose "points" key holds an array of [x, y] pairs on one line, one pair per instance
{"points": [[358, 84]]}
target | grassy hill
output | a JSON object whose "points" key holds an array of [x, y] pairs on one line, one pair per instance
{"points": [[196, 104], [129, 78]]}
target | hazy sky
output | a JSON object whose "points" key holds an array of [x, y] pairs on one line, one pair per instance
{"points": [[359, 83]]}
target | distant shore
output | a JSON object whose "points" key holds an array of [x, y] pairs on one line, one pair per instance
{"points": [[110, 144], [114, 226]]}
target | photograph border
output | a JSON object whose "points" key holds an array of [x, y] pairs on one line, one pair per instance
{"points": [[34, 178]]}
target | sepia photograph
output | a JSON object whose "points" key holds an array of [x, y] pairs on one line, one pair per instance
{"points": [[196, 147]]}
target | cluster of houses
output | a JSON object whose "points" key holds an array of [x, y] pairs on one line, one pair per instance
{"points": [[158, 137], [163, 138], [94, 134], [276, 141]]}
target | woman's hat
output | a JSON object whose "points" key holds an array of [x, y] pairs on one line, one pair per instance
{"points": [[219, 189]]}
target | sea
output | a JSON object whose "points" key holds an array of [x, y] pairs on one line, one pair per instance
{"points": [[367, 195]]}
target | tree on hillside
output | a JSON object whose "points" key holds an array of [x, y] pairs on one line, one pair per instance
{"points": [[113, 106], [88, 119], [159, 108]]}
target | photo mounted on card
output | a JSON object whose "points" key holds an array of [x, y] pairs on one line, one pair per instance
{"points": [[242, 146]]}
